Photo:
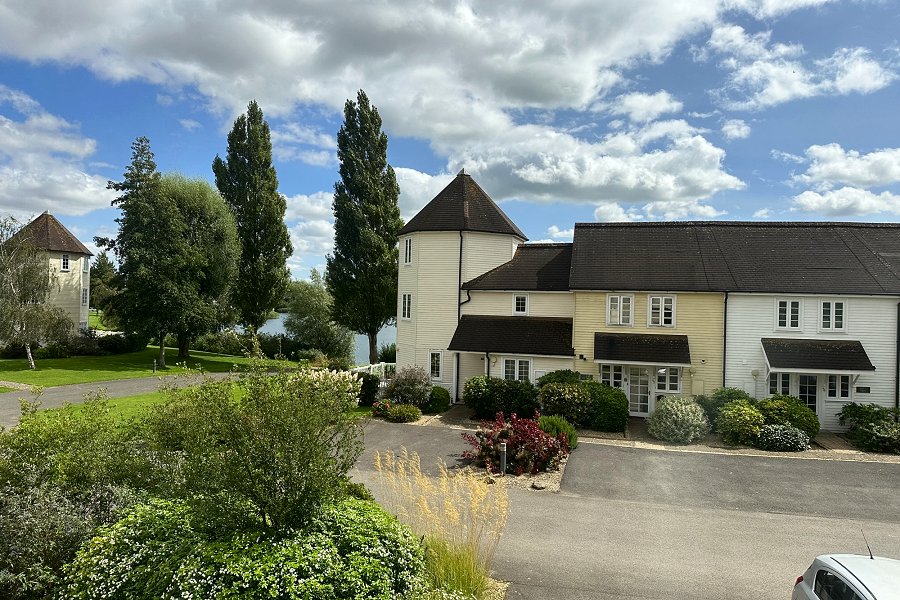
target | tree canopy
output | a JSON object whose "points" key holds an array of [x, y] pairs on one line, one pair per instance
{"points": [[361, 272], [103, 285], [309, 320], [249, 184]]}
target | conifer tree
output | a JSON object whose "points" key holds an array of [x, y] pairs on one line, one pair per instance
{"points": [[361, 272]]}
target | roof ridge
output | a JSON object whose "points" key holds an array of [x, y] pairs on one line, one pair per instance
{"points": [[761, 224]]}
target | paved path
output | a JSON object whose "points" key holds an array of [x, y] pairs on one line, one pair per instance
{"points": [[644, 523]]}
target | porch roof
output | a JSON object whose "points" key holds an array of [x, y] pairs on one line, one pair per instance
{"points": [[637, 348], [791, 355], [544, 336]]}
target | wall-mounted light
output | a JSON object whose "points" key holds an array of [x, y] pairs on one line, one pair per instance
{"points": [[581, 356], [755, 373], [692, 370]]}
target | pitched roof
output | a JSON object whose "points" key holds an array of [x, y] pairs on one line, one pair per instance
{"points": [[538, 267], [831, 258], [47, 233], [543, 336], [787, 354], [642, 348], [462, 206]]}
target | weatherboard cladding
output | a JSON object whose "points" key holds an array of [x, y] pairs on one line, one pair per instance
{"points": [[49, 234], [802, 258], [819, 355], [545, 336], [462, 206], [534, 267], [643, 348]]}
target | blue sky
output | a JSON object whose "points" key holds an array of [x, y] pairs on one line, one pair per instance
{"points": [[603, 110]]}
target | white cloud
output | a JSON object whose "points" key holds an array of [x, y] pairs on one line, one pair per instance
{"points": [[848, 201], [762, 213], [612, 212], [41, 161], [315, 206], [417, 189], [641, 107], [295, 141], [312, 237], [830, 165], [735, 129], [189, 124], [669, 210], [560, 234], [772, 8], [786, 157]]}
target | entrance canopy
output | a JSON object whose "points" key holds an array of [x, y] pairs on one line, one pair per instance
{"points": [[787, 355], [544, 336], [642, 349]]}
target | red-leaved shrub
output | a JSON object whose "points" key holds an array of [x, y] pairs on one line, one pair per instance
{"points": [[528, 449]]}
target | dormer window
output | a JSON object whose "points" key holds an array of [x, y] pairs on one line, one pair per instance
{"points": [[64, 263], [520, 304]]}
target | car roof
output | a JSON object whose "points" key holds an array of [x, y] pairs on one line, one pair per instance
{"points": [[880, 575]]}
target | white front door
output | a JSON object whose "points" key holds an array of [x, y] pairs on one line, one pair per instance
{"points": [[638, 391], [808, 391]]}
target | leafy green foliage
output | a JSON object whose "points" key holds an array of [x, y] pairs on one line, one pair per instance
{"points": [[740, 422], [528, 449], [569, 400], [871, 427], [361, 272], [387, 353], [782, 438], [368, 391], [248, 183], [678, 420], [608, 408], [725, 395], [438, 401], [309, 320], [789, 410], [555, 426], [104, 286], [403, 413], [560, 376], [410, 385], [487, 396]]}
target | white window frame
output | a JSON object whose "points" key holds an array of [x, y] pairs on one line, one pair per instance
{"points": [[661, 300], [515, 310], [85, 267], [517, 368], [440, 372], [84, 296], [790, 301], [831, 309], [619, 301], [64, 263], [838, 394], [406, 306], [779, 383], [609, 376], [667, 387], [407, 251]]}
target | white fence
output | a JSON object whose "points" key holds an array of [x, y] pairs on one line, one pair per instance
{"points": [[383, 370]]}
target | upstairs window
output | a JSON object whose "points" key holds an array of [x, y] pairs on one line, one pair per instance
{"points": [[85, 264], [787, 314], [662, 311], [84, 296], [64, 263], [618, 310], [832, 315], [406, 307], [407, 251], [435, 360], [520, 304]]}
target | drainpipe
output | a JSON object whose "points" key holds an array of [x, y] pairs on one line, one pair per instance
{"points": [[458, 314], [487, 362], [897, 372], [725, 339]]}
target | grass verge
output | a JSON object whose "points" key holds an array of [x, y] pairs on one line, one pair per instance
{"points": [[3, 390]]}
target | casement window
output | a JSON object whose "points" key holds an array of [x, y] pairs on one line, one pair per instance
{"points": [[787, 314], [668, 379], [436, 360], [832, 315], [661, 311], [84, 296], [838, 387], [780, 383], [406, 307], [407, 251], [64, 263], [520, 304], [517, 368], [618, 310], [85, 264], [611, 375]]}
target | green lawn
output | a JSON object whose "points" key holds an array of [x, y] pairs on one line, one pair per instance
{"points": [[94, 320], [88, 369], [6, 389]]}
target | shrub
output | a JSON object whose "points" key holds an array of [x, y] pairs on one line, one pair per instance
{"points": [[528, 449], [555, 426], [387, 353], [872, 428], [608, 409], [352, 549], [782, 438], [368, 391], [568, 400], [380, 409], [561, 376], [859, 415], [121, 343], [438, 402], [725, 395], [411, 385], [788, 410], [679, 420], [403, 413], [488, 396], [879, 437], [740, 422]]}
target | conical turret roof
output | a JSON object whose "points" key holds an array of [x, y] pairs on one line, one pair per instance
{"points": [[47, 233]]}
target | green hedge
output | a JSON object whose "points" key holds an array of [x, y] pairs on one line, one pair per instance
{"points": [[740, 422], [438, 401], [679, 420], [560, 376], [608, 409], [569, 400], [487, 396], [789, 410]]}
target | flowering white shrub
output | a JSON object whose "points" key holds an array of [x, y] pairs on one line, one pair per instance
{"points": [[783, 438], [679, 420]]}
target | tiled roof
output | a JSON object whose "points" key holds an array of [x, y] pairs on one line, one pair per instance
{"points": [[543, 336], [462, 206], [816, 355], [830, 258], [642, 348], [49, 234], [538, 267]]}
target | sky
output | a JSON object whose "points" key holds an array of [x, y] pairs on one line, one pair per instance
{"points": [[566, 111]]}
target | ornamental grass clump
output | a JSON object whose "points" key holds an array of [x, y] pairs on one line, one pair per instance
{"points": [[678, 420], [528, 449], [458, 514]]}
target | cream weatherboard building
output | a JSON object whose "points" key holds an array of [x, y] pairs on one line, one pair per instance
{"points": [[69, 260], [809, 309]]}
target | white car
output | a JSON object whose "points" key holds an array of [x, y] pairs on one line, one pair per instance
{"points": [[849, 577]]}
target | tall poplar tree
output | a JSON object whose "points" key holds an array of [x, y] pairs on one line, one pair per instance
{"points": [[361, 273], [247, 181]]}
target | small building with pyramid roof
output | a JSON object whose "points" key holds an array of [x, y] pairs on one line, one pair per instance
{"points": [[69, 259]]}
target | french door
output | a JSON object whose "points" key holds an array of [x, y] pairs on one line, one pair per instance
{"points": [[808, 391], [638, 390]]}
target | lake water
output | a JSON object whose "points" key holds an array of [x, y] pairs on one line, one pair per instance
{"points": [[388, 335]]}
